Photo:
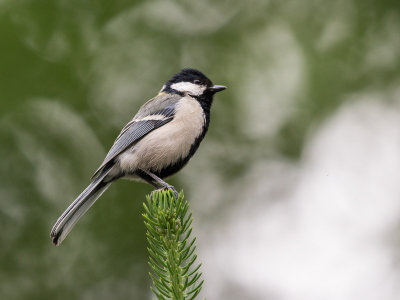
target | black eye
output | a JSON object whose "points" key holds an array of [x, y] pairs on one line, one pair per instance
{"points": [[196, 81]]}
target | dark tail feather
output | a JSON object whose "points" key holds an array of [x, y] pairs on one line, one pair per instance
{"points": [[78, 208]]}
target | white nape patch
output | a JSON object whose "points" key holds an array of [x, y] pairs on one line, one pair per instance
{"points": [[163, 87], [189, 87]]}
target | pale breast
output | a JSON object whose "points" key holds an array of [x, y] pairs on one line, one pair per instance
{"points": [[168, 143]]}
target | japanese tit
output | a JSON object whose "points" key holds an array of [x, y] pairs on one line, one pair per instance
{"points": [[157, 143]]}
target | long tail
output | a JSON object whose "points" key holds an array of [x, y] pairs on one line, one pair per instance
{"points": [[79, 207]]}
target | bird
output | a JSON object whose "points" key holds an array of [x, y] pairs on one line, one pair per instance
{"points": [[158, 142]]}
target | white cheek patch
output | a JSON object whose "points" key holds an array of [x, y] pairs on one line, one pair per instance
{"points": [[189, 87]]}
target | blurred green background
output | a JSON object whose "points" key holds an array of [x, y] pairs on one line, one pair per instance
{"points": [[295, 189]]}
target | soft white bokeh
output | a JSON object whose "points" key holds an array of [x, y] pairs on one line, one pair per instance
{"points": [[325, 236], [271, 78]]}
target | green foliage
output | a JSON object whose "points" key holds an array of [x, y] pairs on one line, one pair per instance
{"points": [[171, 249]]}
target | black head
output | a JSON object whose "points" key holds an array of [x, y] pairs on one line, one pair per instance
{"points": [[192, 82]]}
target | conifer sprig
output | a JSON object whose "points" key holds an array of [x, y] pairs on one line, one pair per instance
{"points": [[171, 250]]}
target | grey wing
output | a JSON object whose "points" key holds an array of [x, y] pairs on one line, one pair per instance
{"points": [[156, 104], [135, 130]]}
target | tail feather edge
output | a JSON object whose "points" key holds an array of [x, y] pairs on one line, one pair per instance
{"points": [[78, 208]]}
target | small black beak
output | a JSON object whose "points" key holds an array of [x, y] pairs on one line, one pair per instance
{"points": [[216, 88]]}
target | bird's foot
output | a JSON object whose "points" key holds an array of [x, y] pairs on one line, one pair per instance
{"points": [[165, 188]]}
